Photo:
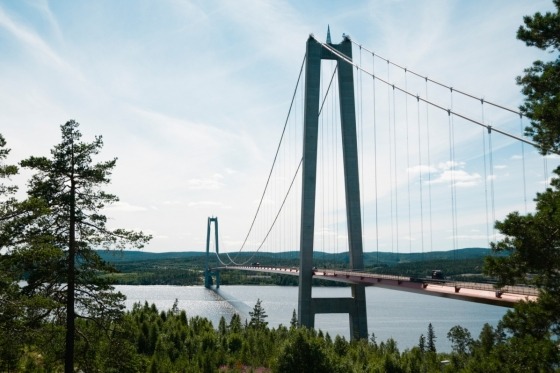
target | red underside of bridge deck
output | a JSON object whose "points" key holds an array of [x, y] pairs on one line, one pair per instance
{"points": [[467, 291]]}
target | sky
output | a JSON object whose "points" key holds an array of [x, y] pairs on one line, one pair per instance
{"points": [[192, 96]]}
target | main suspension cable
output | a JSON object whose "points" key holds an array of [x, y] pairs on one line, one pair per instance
{"points": [[434, 81], [275, 156], [449, 111], [270, 173]]}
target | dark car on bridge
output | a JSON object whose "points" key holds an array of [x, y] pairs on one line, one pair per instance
{"points": [[437, 275]]}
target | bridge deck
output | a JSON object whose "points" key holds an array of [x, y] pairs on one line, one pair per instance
{"points": [[467, 291]]}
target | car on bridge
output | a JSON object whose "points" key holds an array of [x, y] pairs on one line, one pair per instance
{"points": [[437, 274]]}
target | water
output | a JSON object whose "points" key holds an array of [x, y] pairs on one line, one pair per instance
{"points": [[393, 314]]}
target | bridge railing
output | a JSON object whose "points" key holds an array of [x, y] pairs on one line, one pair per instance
{"points": [[515, 289], [512, 289]]}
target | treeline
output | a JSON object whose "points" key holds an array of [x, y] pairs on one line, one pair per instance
{"points": [[146, 339]]}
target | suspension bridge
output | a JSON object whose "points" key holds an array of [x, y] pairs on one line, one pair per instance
{"points": [[375, 157]]}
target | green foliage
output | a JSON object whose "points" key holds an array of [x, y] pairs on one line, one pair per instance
{"points": [[461, 340], [304, 353], [55, 249], [6, 170], [422, 343], [541, 82], [532, 240], [294, 320], [258, 316], [431, 346], [146, 339]]}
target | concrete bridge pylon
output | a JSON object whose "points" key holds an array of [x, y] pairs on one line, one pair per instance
{"points": [[207, 270], [354, 306]]}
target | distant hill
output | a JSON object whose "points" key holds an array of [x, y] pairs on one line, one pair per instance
{"points": [[369, 257], [135, 255]]}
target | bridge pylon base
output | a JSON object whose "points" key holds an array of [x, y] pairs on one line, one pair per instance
{"points": [[353, 306]]}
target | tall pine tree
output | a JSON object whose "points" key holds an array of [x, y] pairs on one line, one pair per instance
{"points": [[66, 237]]}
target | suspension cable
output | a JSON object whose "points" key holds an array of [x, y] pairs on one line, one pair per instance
{"points": [[449, 111], [436, 82], [273, 222], [375, 163], [270, 173], [420, 177], [362, 188], [490, 152], [523, 164], [281, 206], [395, 173], [275, 156], [485, 176], [408, 165], [429, 171], [393, 225], [454, 180]]}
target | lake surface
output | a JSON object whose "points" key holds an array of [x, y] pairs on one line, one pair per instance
{"points": [[393, 314]]}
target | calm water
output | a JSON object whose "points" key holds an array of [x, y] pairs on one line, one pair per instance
{"points": [[391, 314]]}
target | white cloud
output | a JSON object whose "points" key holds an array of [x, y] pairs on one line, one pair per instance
{"points": [[422, 169], [205, 184], [207, 204], [125, 207], [452, 173]]}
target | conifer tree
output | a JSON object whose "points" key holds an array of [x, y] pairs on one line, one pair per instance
{"points": [[541, 82], [258, 316], [70, 185], [422, 343], [532, 240], [294, 320], [431, 338], [9, 307]]}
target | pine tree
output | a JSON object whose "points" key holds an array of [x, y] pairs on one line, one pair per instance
{"points": [[19, 313], [431, 339], [70, 184], [6, 170], [541, 82], [294, 320], [235, 323], [422, 343], [10, 311], [258, 316]]}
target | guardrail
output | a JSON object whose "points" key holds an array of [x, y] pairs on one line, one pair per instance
{"points": [[458, 285]]}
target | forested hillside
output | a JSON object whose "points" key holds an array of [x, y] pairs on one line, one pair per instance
{"points": [[186, 268]]}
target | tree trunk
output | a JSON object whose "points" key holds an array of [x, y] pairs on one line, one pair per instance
{"points": [[70, 312]]}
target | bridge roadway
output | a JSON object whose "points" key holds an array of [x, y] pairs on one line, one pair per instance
{"points": [[467, 291]]}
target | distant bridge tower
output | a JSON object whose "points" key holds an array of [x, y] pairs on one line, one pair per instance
{"points": [[207, 270], [354, 306]]}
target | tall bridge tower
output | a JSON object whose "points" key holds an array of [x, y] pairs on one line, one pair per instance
{"points": [[354, 306], [207, 270]]}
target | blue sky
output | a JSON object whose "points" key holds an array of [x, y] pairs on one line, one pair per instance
{"points": [[191, 96]]}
